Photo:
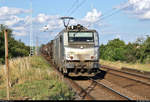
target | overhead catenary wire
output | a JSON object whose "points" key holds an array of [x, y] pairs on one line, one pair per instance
{"points": [[103, 15], [72, 6], [77, 7], [112, 13]]}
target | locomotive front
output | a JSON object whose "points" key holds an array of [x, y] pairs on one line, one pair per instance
{"points": [[81, 50]]}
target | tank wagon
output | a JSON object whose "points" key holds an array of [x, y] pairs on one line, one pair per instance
{"points": [[75, 51]]}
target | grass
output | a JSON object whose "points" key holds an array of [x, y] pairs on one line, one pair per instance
{"points": [[118, 64], [32, 78]]}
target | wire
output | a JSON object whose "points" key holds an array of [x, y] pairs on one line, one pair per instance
{"points": [[111, 14], [111, 11], [77, 7], [105, 14], [72, 6], [119, 10]]}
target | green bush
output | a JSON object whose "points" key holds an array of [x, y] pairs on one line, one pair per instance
{"points": [[117, 50], [113, 51]]}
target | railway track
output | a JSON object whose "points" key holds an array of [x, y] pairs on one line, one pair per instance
{"points": [[81, 93], [97, 89], [113, 92], [140, 72], [131, 76], [92, 91], [134, 82], [101, 91]]}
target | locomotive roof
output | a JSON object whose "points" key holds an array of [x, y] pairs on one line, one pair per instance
{"points": [[77, 27]]}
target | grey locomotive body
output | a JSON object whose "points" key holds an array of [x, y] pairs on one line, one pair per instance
{"points": [[76, 50]]}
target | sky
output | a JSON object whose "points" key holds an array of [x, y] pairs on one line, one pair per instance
{"points": [[123, 19]]}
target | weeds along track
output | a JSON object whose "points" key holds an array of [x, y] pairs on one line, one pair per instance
{"points": [[96, 88], [89, 89], [134, 82], [82, 94]]}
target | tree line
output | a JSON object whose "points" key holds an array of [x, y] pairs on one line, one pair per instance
{"points": [[16, 48], [114, 50], [118, 50]]}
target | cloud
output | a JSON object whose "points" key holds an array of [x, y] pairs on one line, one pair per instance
{"points": [[146, 15], [21, 25], [12, 20], [138, 8], [19, 28], [55, 24], [41, 18], [52, 22], [6, 11], [118, 36], [10, 16], [92, 16], [19, 33]]}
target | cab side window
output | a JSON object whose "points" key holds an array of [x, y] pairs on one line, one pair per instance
{"points": [[61, 39]]}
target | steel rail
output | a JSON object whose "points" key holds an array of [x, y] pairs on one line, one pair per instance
{"points": [[138, 78], [112, 68], [111, 89], [82, 92]]}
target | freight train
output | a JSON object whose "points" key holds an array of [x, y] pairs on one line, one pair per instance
{"points": [[75, 51]]}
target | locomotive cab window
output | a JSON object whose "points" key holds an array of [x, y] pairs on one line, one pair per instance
{"points": [[81, 37]]}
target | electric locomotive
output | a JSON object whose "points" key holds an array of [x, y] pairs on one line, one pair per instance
{"points": [[75, 51]]}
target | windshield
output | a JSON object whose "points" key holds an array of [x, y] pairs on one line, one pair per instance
{"points": [[81, 37]]}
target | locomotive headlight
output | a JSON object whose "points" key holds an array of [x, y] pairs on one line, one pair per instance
{"points": [[92, 57], [71, 57]]}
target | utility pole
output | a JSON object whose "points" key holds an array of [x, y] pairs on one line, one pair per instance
{"points": [[37, 42], [6, 62], [31, 33]]}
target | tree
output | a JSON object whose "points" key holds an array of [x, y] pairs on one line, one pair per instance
{"points": [[113, 51], [16, 48], [117, 50], [146, 51]]}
